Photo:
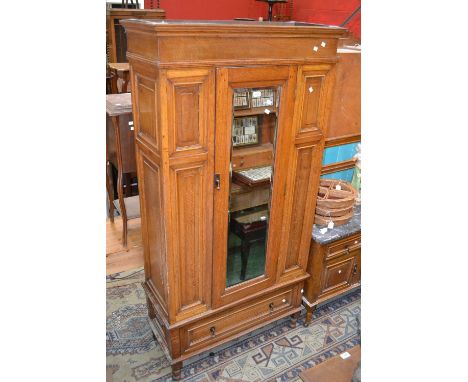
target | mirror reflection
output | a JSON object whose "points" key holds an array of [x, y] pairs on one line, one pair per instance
{"points": [[254, 126]]}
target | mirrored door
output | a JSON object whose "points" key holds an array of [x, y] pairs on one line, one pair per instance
{"points": [[253, 137], [251, 108]]}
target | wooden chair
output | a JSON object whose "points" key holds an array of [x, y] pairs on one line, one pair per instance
{"points": [[125, 4]]}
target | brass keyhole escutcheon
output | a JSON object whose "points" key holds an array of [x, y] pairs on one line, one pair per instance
{"points": [[271, 306], [213, 331]]}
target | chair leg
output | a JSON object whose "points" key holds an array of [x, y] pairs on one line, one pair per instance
{"points": [[128, 185], [113, 81], [123, 210], [126, 81], [245, 251], [230, 259], [110, 191]]}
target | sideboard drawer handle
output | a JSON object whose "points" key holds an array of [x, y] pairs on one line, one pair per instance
{"points": [[213, 331], [339, 271]]}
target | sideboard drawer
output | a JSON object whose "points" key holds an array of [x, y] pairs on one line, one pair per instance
{"points": [[338, 273], [233, 321], [343, 247]]}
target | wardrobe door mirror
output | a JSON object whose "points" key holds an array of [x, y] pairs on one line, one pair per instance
{"points": [[253, 135]]}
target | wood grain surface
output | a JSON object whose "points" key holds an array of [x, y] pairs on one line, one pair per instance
{"points": [[335, 369], [183, 75]]}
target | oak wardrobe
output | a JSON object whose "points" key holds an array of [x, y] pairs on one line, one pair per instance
{"points": [[230, 119]]}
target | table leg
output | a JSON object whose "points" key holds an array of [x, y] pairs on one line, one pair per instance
{"points": [[176, 371], [294, 318], [310, 311]]}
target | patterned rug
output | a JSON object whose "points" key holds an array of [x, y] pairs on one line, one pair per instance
{"points": [[273, 353]]}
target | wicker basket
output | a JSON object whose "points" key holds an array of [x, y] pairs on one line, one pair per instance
{"points": [[337, 220], [334, 205], [333, 211]]}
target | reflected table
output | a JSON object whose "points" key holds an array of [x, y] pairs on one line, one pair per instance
{"points": [[251, 228]]}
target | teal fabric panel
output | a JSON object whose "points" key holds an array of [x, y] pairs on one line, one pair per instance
{"points": [[329, 155], [346, 152], [339, 153]]}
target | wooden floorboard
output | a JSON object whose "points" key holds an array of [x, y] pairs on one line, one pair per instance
{"points": [[117, 258]]}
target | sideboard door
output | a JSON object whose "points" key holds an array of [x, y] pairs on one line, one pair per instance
{"points": [[254, 109]]}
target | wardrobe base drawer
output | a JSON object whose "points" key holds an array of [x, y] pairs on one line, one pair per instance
{"points": [[218, 327]]}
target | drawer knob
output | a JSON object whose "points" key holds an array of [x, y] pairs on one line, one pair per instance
{"points": [[271, 306], [283, 300], [356, 242], [311, 89], [339, 271], [213, 331]]}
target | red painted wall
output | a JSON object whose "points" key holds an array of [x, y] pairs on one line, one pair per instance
{"points": [[333, 12], [215, 9], [320, 11]]}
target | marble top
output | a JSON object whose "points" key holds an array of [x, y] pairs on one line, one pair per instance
{"points": [[336, 233], [235, 23]]}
